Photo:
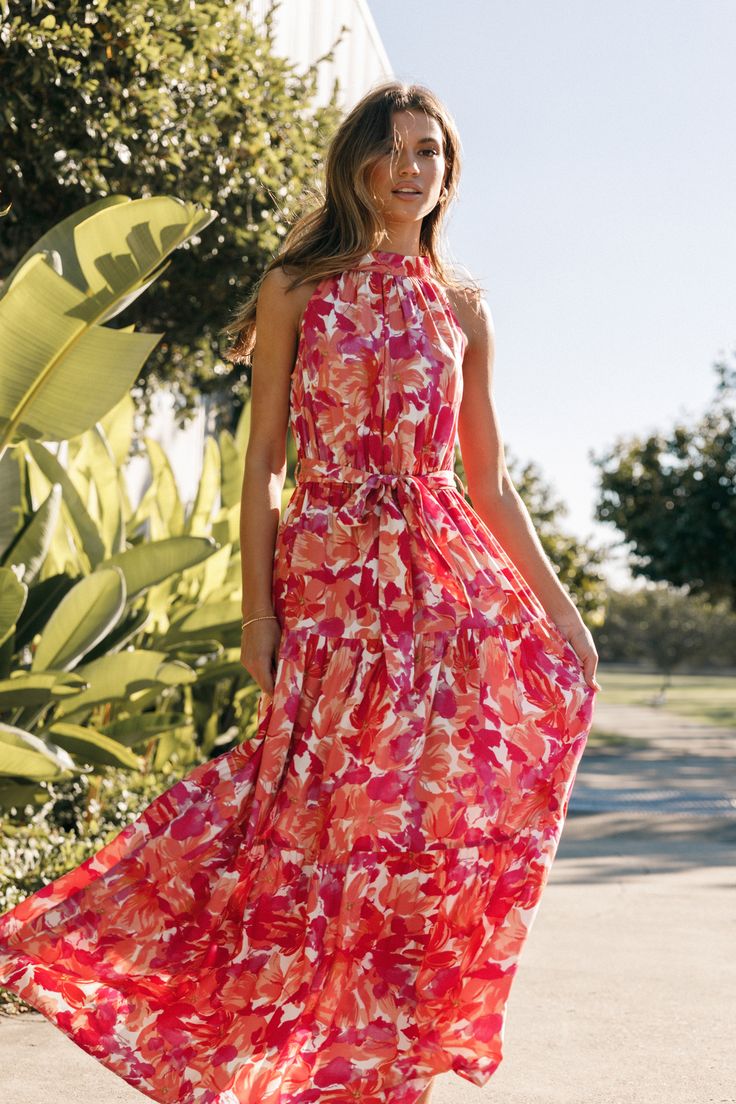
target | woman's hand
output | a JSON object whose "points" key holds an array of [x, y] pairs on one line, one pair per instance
{"points": [[578, 636], [259, 650]]}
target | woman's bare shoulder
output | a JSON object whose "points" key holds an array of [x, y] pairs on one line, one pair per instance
{"points": [[278, 294], [473, 312]]}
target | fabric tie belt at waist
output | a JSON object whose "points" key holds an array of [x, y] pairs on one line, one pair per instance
{"points": [[395, 588]]}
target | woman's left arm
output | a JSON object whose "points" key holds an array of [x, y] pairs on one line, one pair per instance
{"points": [[494, 497]]}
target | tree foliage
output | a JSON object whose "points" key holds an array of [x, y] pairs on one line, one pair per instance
{"points": [[667, 628], [153, 98], [673, 497]]}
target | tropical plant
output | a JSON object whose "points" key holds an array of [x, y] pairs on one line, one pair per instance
{"points": [[54, 305], [121, 628], [109, 616]]}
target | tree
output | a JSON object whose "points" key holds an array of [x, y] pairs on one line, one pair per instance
{"points": [[673, 497], [148, 98], [667, 628]]}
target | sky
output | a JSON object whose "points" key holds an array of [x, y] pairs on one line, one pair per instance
{"points": [[596, 208]]}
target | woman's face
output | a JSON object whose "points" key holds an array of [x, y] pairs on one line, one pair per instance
{"points": [[408, 178]]}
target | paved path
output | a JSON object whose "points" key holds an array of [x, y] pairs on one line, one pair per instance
{"points": [[624, 993]]}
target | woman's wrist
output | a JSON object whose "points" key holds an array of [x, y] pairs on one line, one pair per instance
{"points": [[261, 610], [565, 617]]}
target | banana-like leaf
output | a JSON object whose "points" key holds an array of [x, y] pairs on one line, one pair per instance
{"points": [[52, 337], [43, 598], [227, 666], [65, 553], [13, 596], [96, 461], [147, 564], [15, 796], [72, 505], [26, 756], [89, 746], [126, 629], [226, 526], [232, 470], [23, 690], [51, 386], [123, 676], [138, 729], [125, 247], [87, 613], [55, 243], [161, 503], [118, 426], [28, 550], [242, 430], [168, 743], [214, 572], [211, 621], [11, 497], [200, 519]]}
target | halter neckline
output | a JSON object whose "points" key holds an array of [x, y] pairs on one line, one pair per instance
{"points": [[410, 264]]}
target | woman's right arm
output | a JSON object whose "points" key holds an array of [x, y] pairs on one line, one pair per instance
{"points": [[273, 357]]}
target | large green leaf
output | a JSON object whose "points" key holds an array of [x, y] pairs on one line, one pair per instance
{"points": [[52, 341], [89, 746], [161, 505], [226, 526], [86, 614], [123, 676], [126, 630], [51, 386], [212, 621], [232, 470], [242, 431], [96, 462], [17, 795], [142, 727], [200, 519], [28, 550], [147, 564], [55, 243], [24, 689], [43, 598], [13, 596], [72, 504], [27, 756], [124, 247], [118, 426], [11, 497]]}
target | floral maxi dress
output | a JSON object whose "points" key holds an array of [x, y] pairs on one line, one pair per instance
{"points": [[334, 910]]}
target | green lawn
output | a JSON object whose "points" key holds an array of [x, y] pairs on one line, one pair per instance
{"points": [[709, 699]]}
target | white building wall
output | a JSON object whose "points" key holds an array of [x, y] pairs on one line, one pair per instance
{"points": [[304, 30]]}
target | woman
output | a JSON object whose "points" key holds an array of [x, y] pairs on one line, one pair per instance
{"points": [[334, 910], [372, 351]]}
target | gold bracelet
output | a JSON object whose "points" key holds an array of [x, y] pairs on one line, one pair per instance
{"points": [[266, 617], [265, 611]]}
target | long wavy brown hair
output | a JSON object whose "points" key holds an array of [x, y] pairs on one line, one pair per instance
{"points": [[347, 223]]}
